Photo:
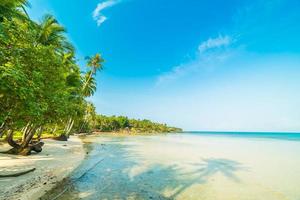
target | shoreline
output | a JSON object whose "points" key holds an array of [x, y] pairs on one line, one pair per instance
{"points": [[51, 168]]}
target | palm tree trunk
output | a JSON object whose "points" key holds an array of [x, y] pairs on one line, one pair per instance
{"points": [[10, 139], [28, 137], [70, 127], [26, 146], [40, 131], [86, 83], [67, 126], [25, 130], [2, 129]]}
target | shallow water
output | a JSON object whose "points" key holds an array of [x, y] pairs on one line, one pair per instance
{"points": [[223, 166]]}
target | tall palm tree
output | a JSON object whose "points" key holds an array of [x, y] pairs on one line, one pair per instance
{"points": [[50, 32], [95, 63]]}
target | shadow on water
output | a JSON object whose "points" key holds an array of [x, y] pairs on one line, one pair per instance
{"points": [[110, 178]]}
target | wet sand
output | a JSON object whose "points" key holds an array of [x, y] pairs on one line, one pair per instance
{"points": [[57, 160], [186, 166]]}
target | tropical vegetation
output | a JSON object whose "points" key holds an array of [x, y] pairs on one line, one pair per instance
{"points": [[41, 85], [124, 124]]}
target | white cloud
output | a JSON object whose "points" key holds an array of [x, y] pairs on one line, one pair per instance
{"points": [[97, 15], [204, 59], [212, 43]]}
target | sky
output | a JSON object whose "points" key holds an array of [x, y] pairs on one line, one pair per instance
{"points": [[207, 65]]}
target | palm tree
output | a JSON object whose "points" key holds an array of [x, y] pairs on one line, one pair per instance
{"points": [[52, 33], [95, 63]]}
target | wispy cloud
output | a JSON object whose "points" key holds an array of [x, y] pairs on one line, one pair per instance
{"points": [[208, 55], [173, 74], [97, 13], [212, 43]]}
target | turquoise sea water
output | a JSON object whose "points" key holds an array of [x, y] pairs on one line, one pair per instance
{"points": [[269, 135]]}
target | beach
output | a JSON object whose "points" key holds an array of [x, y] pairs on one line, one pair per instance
{"points": [[149, 100], [186, 166], [57, 160]]}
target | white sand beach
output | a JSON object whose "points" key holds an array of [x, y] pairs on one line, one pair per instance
{"points": [[54, 163]]}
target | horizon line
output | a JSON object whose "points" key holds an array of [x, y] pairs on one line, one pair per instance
{"points": [[202, 131]]}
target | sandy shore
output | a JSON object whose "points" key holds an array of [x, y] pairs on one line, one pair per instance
{"points": [[57, 160]]}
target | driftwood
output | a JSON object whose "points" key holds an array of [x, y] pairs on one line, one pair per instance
{"points": [[16, 174], [37, 147]]}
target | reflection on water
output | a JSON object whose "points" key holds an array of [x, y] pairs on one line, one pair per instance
{"points": [[121, 168]]}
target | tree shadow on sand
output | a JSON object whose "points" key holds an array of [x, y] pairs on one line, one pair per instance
{"points": [[206, 169], [111, 178]]}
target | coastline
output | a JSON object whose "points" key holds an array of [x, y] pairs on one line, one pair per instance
{"points": [[51, 168]]}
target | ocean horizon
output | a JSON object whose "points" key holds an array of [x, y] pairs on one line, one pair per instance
{"points": [[295, 136]]}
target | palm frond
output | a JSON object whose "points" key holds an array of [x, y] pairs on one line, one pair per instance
{"points": [[52, 33], [14, 9], [89, 84]]}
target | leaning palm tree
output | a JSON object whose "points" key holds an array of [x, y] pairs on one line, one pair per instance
{"points": [[95, 63], [89, 82], [50, 32]]}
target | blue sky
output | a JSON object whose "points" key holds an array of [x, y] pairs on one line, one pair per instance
{"points": [[197, 64]]}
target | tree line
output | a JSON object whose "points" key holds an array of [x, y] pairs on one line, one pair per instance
{"points": [[124, 124]]}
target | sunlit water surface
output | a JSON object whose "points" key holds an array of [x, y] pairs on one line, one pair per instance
{"points": [[206, 166]]}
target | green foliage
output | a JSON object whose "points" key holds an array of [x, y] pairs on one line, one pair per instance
{"points": [[40, 82], [121, 123], [10, 9], [35, 81], [89, 85]]}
